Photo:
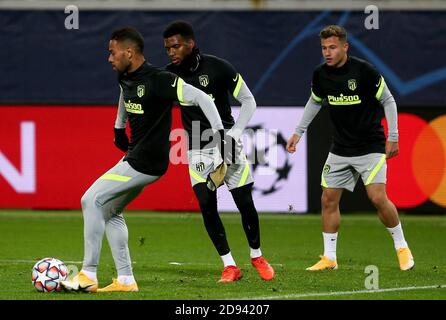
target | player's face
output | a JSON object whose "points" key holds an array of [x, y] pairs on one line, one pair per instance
{"points": [[178, 48], [119, 56], [334, 51]]}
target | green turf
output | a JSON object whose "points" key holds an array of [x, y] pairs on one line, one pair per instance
{"points": [[290, 243]]}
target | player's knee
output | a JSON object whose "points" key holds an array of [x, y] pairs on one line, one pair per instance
{"points": [[85, 200], [244, 203], [379, 200], [243, 195], [206, 204], [88, 199], [329, 200]]}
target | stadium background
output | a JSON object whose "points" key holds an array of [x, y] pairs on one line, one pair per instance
{"points": [[58, 95]]}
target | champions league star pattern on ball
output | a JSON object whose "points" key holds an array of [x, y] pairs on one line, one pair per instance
{"points": [[47, 274]]}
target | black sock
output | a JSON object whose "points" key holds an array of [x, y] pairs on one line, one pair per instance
{"points": [[250, 219], [212, 222]]}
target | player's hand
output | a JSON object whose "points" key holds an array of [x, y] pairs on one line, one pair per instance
{"points": [[392, 149], [121, 140], [227, 146], [292, 142], [217, 177]]}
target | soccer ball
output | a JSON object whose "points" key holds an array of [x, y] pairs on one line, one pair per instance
{"points": [[47, 275]]}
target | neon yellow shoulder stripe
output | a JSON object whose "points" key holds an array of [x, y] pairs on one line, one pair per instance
{"points": [[238, 86], [115, 177], [180, 93], [380, 89], [180, 89]]}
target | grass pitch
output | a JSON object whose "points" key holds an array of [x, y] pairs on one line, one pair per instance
{"points": [[173, 258]]}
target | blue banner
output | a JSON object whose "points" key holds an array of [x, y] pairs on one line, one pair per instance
{"points": [[276, 52]]}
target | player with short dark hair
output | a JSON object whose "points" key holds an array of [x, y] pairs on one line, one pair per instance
{"points": [[217, 78], [356, 95], [131, 37], [146, 99]]}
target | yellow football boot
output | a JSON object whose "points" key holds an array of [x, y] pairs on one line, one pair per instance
{"points": [[405, 259], [81, 283], [117, 286], [324, 264]]}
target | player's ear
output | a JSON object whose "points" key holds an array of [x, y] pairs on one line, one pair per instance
{"points": [[191, 43], [129, 52]]}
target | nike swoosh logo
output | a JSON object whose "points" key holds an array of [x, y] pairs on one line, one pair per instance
{"points": [[86, 287], [235, 79], [174, 82], [379, 82]]}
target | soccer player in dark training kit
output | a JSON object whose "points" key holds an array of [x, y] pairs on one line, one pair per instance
{"points": [[217, 78], [356, 95], [146, 99]]}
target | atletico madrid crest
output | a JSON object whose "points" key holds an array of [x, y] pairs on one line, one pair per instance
{"points": [[352, 84], [204, 80], [140, 90]]}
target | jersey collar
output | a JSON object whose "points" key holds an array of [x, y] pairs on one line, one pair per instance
{"points": [[191, 62], [341, 70]]}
